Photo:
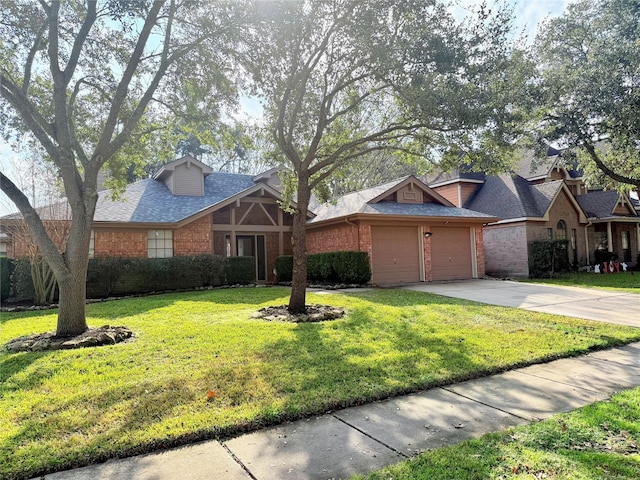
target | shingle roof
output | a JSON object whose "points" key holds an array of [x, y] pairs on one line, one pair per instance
{"points": [[358, 202], [599, 203], [507, 196], [150, 201]]}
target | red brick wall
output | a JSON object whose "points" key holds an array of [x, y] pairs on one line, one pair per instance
{"points": [[506, 250], [194, 238], [335, 238], [480, 251], [273, 252], [220, 244], [365, 238], [428, 276], [120, 243], [21, 240]]}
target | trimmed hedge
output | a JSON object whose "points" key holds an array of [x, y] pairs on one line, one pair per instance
{"points": [[21, 281], [548, 257], [6, 269], [331, 267], [125, 276], [284, 268], [239, 270]]}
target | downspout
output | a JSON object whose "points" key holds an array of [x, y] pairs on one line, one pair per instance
{"points": [[586, 241], [346, 220]]}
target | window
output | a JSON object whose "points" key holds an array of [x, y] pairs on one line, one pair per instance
{"points": [[92, 245], [550, 233], [3, 249], [562, 230], [626, 250], [160, 244], [601, 241]]}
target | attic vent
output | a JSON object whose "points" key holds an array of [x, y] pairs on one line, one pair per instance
{"points": [[409, 194]]}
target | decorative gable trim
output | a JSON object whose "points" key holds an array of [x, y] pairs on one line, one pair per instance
{"points": [[261, 188], [581, 215], [624, 203], [413, 182]]}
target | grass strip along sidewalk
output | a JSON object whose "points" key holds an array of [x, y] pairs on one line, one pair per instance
{"points": [[68, 408], [599, 441]]}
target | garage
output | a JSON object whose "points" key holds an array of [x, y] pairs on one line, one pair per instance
{"points": [[395, 254], [451, 253]]}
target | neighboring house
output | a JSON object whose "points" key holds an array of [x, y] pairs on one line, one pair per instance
{"points": [[411, 233], [187, 209], [542, 200], [4, 244]]}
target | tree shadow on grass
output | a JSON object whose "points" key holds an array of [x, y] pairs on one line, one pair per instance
{"points": [[115, 309]]}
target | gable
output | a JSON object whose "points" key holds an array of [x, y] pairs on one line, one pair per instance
{"points": [[623, 207], [411, 191]]}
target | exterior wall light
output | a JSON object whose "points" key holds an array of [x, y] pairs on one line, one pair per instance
{"points": [[427, 234]]}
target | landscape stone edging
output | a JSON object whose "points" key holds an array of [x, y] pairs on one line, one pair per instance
{"points": [[92, 337]]}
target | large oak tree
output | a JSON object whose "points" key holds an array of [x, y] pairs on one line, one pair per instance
{"points": [[89, 83], [589, 78], [341, 79]]}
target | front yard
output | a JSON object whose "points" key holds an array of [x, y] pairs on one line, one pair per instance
{"points": [[624, 281], [67, 408]]}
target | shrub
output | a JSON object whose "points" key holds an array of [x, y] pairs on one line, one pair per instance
{"points": [[601, 256], [342, 267], [240, 270], [6, 269], [320, 267], [548, 257], [284, 268], [122, 276], [21, 279], [352, 267], [103, 274]]}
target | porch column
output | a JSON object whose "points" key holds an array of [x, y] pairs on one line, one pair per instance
{"points": [[637, 239], [609, 238]]}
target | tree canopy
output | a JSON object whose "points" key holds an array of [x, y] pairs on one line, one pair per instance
{"points": [[92, 83], [589, 78], [343, 79]]}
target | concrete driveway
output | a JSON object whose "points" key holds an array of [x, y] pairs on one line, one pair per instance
{"points": [[589, 303]]}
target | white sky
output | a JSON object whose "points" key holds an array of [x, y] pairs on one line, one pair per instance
{"points": [[528, 14]]}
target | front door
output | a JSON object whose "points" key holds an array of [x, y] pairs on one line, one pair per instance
{"points": [[254, 246]]}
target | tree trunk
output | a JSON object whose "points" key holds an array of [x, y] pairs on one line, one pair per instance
{"points": [[71, 313], [297, 301]]}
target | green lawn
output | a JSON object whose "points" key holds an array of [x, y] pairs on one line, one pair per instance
{"points": [[624, 281], [599, 442], [68, 408]]}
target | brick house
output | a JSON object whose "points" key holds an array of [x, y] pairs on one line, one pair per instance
{"points": [[410, 232], [187, 209], [543, 199]]}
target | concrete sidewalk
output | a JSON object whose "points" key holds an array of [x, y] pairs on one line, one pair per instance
{"points": [[358, 440], [588, 303]]}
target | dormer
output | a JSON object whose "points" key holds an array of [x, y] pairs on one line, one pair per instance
{"points": [[270, 177], [184, 176]]}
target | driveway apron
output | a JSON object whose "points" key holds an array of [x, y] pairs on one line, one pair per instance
{"points": [[588, 303]]}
